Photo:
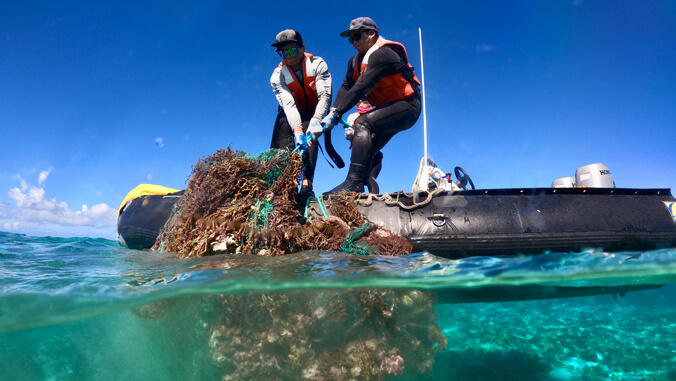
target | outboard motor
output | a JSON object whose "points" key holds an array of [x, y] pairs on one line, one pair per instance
{"points": [[431, 177], [594, 176], [564, 182]]}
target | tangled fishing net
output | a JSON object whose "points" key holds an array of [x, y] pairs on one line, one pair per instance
{"points": [[325, 335], [238, 203]]}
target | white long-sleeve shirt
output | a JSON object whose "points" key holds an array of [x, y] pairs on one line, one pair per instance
{"points": [[286, 100]]}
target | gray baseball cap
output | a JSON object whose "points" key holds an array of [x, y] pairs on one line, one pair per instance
{"points": [[360, 23], [286, 36]]}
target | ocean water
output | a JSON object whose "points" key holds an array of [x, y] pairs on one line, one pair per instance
{"points": [[87, 309]]}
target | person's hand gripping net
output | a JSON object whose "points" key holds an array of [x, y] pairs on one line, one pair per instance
{"points": [[316, 128], [300, 140], [327, 124]]}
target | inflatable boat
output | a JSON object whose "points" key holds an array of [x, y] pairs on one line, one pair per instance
{"points": [[448, 220]]}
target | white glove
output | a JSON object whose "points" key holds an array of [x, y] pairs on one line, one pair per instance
{"points": [[330, 120], [314, 131], [349, 133], [352, 117], [300, 139]]}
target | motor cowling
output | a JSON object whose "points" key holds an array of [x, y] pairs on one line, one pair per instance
{"points": [[564, 182], [594, 176]]}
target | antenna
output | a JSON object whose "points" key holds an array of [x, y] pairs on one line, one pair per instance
{"points": [[421, 180], [428, 174], [422, 72]]}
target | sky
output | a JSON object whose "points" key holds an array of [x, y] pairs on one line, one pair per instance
{"points": [[98, 97]]}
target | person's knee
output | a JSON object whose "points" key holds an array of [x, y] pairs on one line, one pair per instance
{"points": [[363, 128], [362, 133]]}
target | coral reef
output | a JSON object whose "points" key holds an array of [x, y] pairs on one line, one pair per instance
{"points": [[237, 203]]}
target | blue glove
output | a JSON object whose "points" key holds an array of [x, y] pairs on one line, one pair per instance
{"points": [[330, 120], [314, 131], [301, 141]]}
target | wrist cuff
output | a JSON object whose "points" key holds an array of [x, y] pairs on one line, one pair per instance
{"points": [[335, 113]]}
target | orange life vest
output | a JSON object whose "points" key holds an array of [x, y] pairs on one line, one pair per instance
{"points": [[391, 88], [305, 95]]}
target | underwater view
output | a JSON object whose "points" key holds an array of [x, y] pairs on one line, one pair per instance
{"points": [[85, 309]]}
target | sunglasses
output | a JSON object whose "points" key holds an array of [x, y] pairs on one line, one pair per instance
{"points": [[288, 52], [355, 37]]}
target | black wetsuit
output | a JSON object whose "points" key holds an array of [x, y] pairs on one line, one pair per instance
{"points": [[283, 138], [375, 128]]}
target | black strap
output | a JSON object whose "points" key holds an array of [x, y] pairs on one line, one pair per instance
{"points": [[321, 149], [331, 151]]}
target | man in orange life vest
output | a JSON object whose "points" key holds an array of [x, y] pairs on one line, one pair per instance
{"points": [[302, 85], [381, 73]]}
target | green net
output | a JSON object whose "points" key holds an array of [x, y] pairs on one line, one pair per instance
{"points": [[238, 203], [259, 214], [350, 245]]}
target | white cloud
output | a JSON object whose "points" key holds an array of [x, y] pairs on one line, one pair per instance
{"points": [[159, 141], [11, 226], [43, 176], [26, 196], [34, 215]]}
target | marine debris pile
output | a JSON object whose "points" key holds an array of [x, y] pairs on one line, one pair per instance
{"points": [[325, 335], [238, 203]]}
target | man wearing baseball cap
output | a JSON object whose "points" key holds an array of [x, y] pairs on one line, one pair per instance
{"points": [[381, 73], [302, 85]]}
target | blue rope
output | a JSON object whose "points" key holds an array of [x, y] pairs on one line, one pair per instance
{"points": [[301, 151], [307, 206], [321, 206]]}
